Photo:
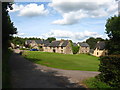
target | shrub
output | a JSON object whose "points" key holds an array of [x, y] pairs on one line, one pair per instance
{"points": [[110, 70], [95, 83]]}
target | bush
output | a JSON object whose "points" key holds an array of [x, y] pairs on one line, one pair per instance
{"points": [[110, 70], [75, 49], [94, 83]]}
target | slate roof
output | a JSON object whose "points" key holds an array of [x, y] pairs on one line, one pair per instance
{"points": [[100, 45], [38, 41], [65, 43], [74, 44], [54, 43], [59, 43], [42, 41], [47, 44], [83, 44], [28, 41]]}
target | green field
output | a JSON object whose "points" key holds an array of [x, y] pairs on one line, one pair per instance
{"points": [[81, 62]]}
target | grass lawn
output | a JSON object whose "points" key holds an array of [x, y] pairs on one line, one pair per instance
{"points": [[81, 62]]}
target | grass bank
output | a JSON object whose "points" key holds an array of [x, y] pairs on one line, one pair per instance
{"points": [[81, 62], [94, 83]]}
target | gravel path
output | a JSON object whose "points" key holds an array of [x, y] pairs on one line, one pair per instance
{"points": [[25, 74]]}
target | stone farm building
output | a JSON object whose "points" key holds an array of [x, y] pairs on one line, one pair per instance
{"points": [[84, 47], [100, 49], [61, 46], [38, 44]]}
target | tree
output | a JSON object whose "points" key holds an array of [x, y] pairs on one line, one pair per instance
{"points": [[113, 31], [50, 39], [8, 28], [75, 49], [92, 41]]}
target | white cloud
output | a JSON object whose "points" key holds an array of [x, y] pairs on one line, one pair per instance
{"points": [[75, 36], [19, 34], [73, 10], [30, 10]]}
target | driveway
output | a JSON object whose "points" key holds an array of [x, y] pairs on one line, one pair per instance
{"points": [[25, 74]]}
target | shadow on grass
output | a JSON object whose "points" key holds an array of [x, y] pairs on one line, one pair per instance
{"points": [[26, 74]]}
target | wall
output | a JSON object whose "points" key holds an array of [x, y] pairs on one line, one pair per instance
{"points": [[84, 49], [99, 53]]}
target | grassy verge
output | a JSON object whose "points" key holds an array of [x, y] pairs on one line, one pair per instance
{"points": [[5, 69], [94, 83], [81, 62]]}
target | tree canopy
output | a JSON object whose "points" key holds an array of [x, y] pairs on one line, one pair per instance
{"points": [[8, 28], [50, 39], [92, 41], [113, 32]]}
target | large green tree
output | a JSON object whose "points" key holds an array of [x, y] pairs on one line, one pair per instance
{"points": [[92, 41], [113, 32], [8, 28]]}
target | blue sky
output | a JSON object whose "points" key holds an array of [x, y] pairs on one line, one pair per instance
{"points": [[75, 20]]}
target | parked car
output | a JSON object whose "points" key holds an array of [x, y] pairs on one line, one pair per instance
{"points": [[33, 49]]}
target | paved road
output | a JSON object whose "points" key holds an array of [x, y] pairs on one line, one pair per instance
{"points": [[25, 74]]}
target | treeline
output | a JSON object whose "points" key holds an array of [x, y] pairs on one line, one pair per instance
{"points": [[21, 41]]}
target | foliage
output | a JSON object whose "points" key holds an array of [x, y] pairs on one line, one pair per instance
{"points": [[21, 41], [110, 70], [92, 41], [8, 28], [50, 39], [75, 49], [18, 40], [95, 83], [64, 61], [6, 70], [113, 31]]}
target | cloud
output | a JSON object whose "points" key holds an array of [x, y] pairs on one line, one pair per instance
{"points": [[30, 10], [19, 34], [75, 36], [74, 10]]}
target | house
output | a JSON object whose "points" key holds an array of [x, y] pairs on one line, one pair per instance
{"points": [[84, 47], [100, 49], [59, 46], [31, 43], [38, 44]]}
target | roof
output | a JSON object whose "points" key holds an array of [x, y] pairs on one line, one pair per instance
{"points": [[83, 44], [38, 41], [29, 41], [74, 44], [42, 41], [54, 43], [100, 45], [65, 43], [59, 43]]}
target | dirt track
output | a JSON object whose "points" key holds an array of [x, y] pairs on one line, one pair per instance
{"points": [[26, 74]]}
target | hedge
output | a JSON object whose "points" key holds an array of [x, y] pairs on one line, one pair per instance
{"points": [[110, 70]]}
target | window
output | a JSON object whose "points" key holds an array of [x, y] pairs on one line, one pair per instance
{"points": [[61, 51], [97, 53]]}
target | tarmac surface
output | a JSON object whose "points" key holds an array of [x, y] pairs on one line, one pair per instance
{"points": [[26, 74]]}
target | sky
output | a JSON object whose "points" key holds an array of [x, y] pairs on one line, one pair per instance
{"points": [[75, 20]]}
